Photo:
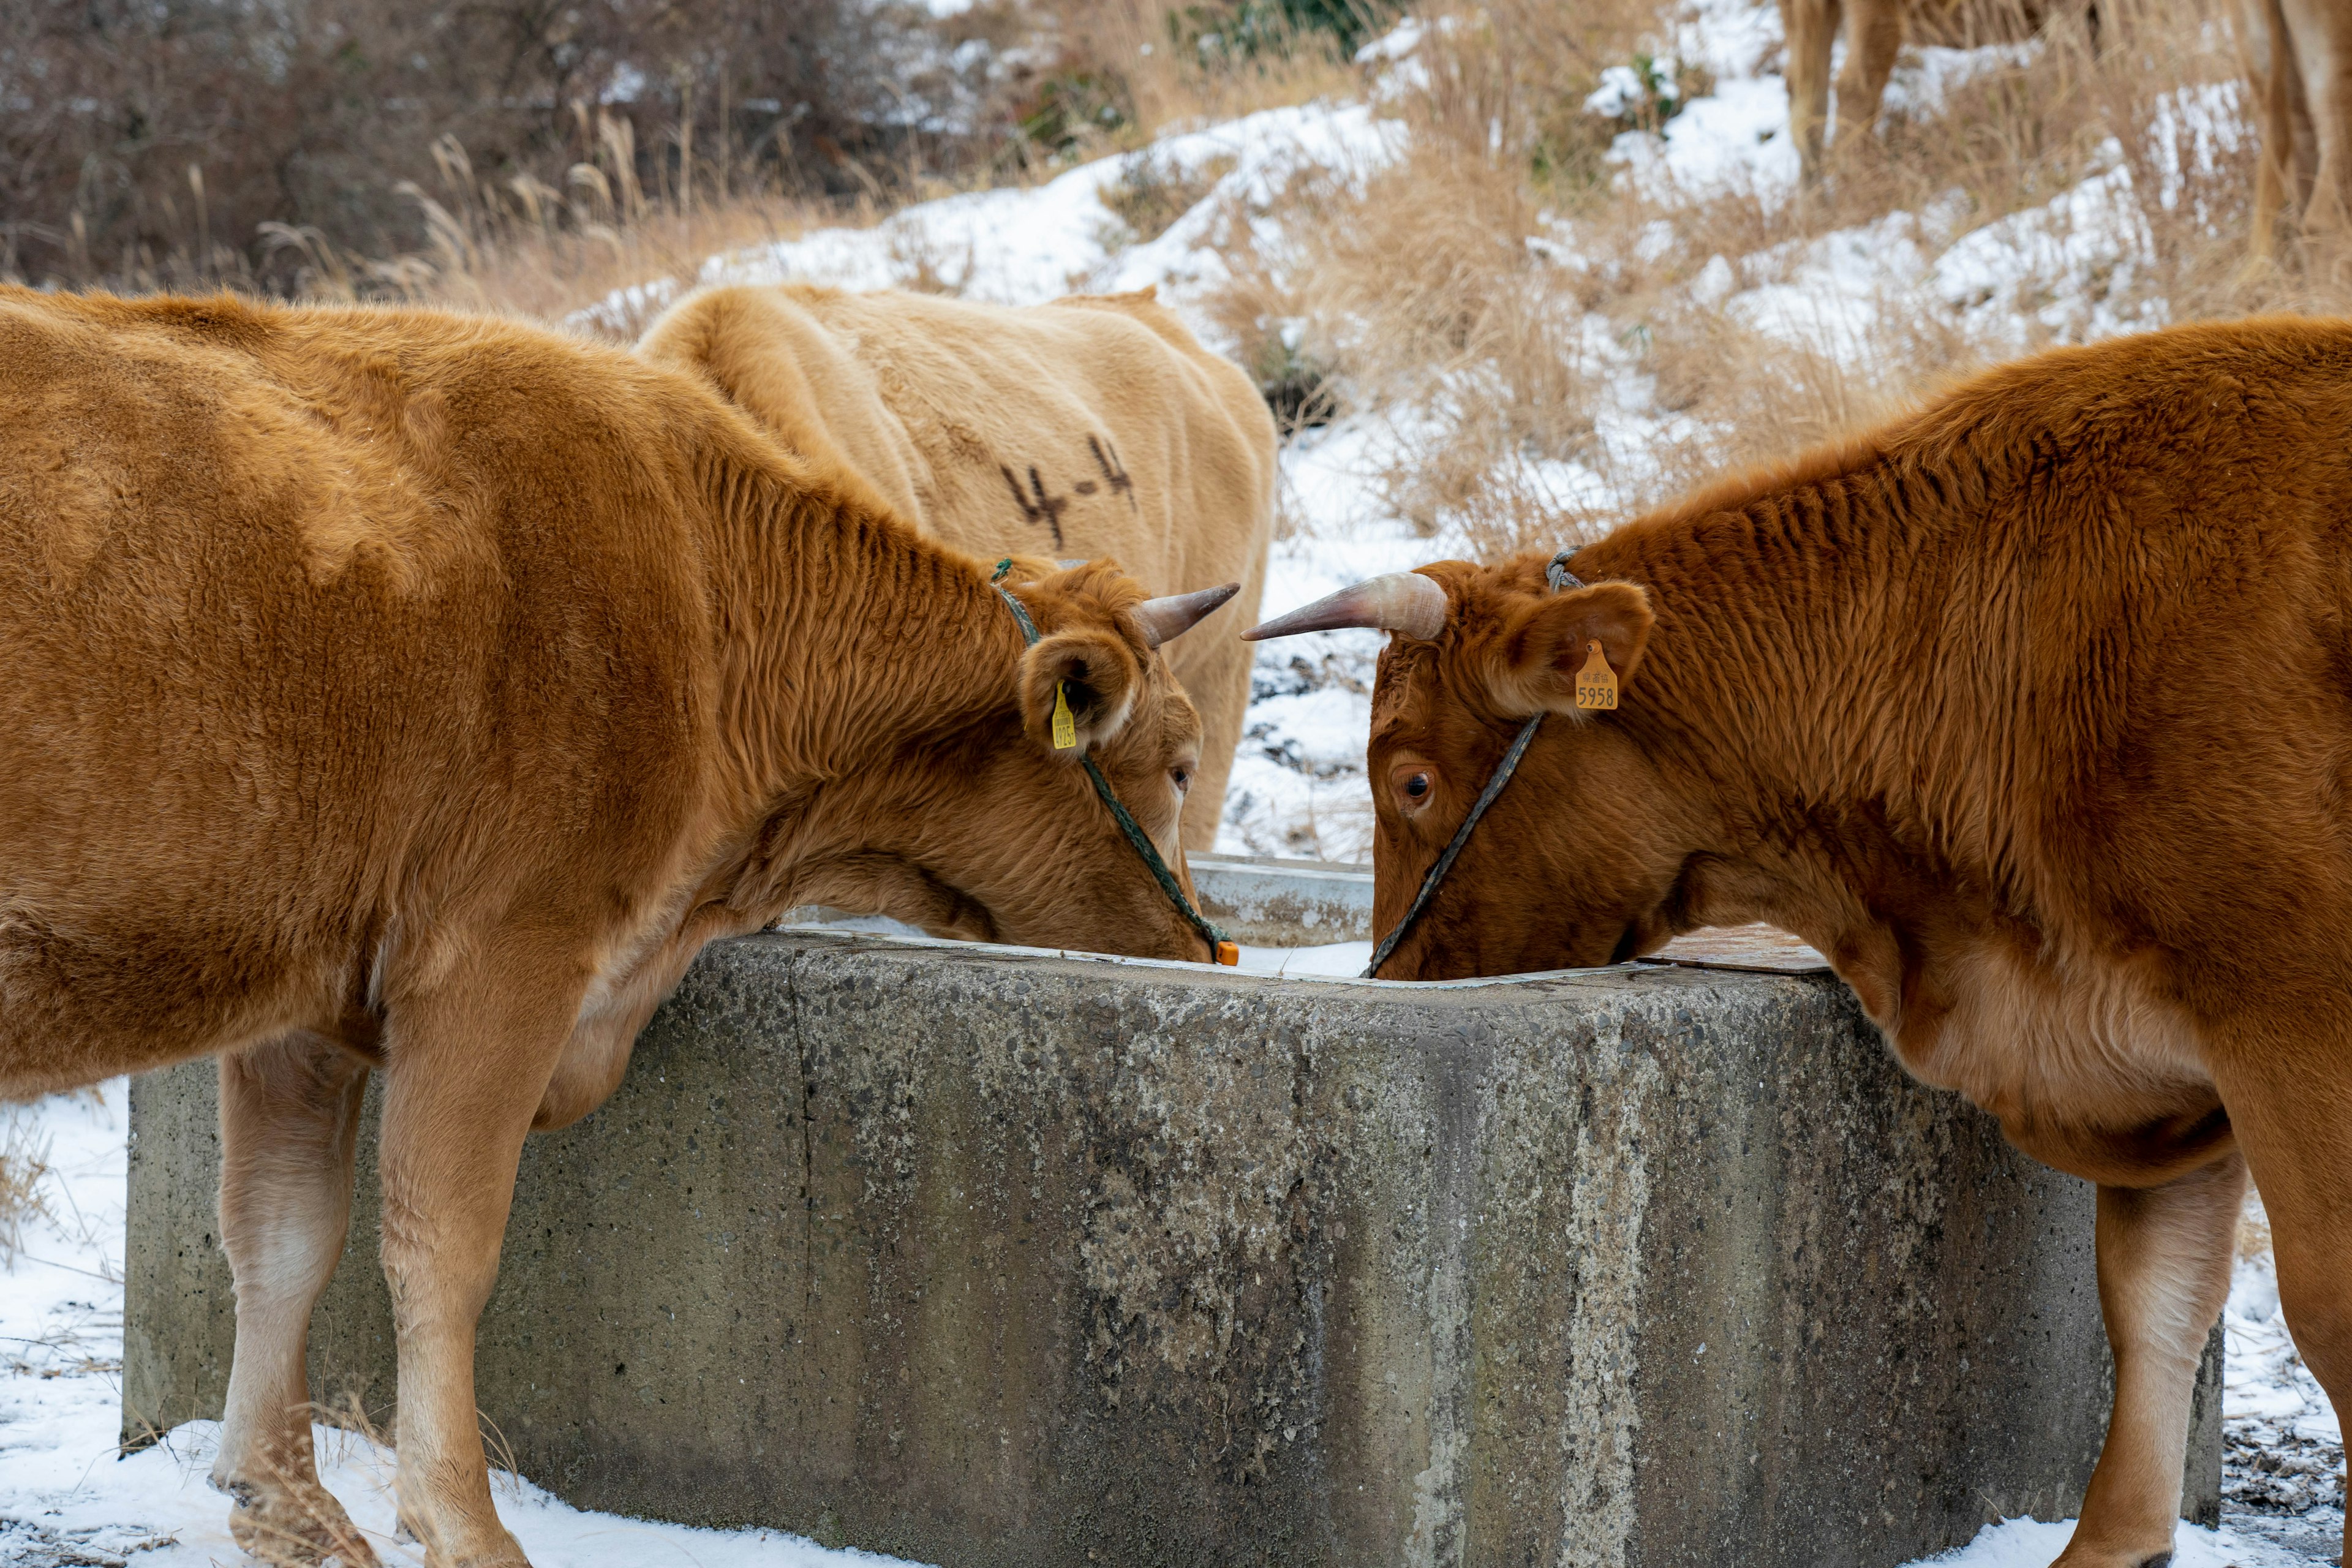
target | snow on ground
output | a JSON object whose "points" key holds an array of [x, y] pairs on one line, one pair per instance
{"points": [[66, 1499]]}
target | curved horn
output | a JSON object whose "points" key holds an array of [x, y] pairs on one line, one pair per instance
{"points": [[1165, 620], [1403, 602]]}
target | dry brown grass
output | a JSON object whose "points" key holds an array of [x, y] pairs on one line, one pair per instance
{"points": [[521, 247], [24, 1179], [1478, 282], [1162, 85]]}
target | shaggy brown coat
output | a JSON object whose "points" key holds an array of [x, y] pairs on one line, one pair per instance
{"points": [[2298, 54], [412, 692], [2034, 711], [1093, 427]]}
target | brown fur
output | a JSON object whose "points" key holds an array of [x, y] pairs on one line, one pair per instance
{"points": [[1093, 427], [2032, 711], [2298, 57], [396, 690], [1876, 31]]}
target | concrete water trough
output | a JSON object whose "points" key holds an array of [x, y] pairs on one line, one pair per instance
{"points": [[984, 1256]]}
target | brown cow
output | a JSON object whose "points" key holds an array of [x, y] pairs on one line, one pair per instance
{"points": [[2298, 54], [2034, 711], [413, 692], [1095, 425]]}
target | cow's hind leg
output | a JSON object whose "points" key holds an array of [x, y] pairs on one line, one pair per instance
{"points": [[2294, 1115], [1811, 26], [466, 1065], [289, 1113], [2164, 1273], [1873, 39]]}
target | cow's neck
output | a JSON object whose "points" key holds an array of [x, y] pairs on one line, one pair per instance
{"points": [[843, 634], [1802, 692]]}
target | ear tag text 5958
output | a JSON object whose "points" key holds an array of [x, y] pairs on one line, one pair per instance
{"points": [[1065, 728], [1596, 683]]}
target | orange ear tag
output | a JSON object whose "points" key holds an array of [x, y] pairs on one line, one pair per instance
{"points": [[1065, 728], [1596, 683]]}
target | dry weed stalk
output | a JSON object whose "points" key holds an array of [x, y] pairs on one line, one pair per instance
{"points": [[25, 1173]]}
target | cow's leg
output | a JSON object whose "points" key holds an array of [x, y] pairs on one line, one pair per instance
{"points": [[1873, 37], [290, 1114], [2291, 1107], [467, 1066], [2322, 48], [1811, 26], [1217, 678], [2164, 1273], [2275, 162]]}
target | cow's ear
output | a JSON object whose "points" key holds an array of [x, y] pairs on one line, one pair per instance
{"points": [[1535, 661], [1077, 690]]}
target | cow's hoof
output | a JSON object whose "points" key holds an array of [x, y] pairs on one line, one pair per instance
{"points": [[2082, 1554], [296, 1525], [491, 1548]]}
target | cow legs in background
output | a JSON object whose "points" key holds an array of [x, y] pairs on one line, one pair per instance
{"points": [[1216, 674], [467, 1064], [1873, 37], [2322, 51], [2298, 54], [2164, 1273], [1812, 27], [290, 1115]]}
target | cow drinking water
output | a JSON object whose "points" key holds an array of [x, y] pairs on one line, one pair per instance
{"points": [[2034, 711], [400, 691]]}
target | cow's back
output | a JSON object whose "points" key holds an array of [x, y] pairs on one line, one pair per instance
{"points": [[318, 625], [1097, 425]]}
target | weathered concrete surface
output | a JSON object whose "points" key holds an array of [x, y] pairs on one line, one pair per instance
{"points": [[985, 1257]]}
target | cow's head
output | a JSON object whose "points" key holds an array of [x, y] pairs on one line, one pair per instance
{"points": [[1576, 862], [986, 829]]}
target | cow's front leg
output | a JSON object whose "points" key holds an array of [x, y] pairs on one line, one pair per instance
{"points": [[1811, 26], [1873, 39], [466, 1065], [2164, 1273], [289, 1113]]}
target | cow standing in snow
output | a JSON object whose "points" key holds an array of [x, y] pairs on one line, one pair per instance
{"points": [[399, 691], [2033, 712], [1095, 426]]}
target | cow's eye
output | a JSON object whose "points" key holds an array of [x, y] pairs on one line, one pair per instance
{"points": [[1181, 777], [1416, 786]]}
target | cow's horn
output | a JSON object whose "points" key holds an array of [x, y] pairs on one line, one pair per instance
{"points": [[1165, 620], [1403, 602]]}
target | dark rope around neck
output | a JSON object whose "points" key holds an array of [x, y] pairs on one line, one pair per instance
{"points": [[1222, 945]]}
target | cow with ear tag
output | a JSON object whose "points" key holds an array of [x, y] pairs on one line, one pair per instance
{"points": [[2030, 709], [403, 694]]}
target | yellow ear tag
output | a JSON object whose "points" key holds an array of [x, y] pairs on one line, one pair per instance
{"points": [[1065, 728], [1596, 683]]}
